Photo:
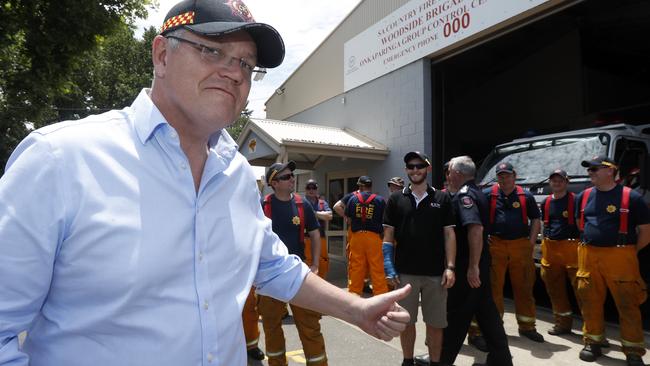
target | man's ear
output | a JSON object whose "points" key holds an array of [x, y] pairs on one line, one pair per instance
{"points": [[159, 52]]}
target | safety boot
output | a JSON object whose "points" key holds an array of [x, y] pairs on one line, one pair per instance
{"points": [[533, 335], [634, 360], [255, 354], [590, 352]]}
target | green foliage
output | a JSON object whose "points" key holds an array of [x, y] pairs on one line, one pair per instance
{"points": [[237, 127], [45, 48]]}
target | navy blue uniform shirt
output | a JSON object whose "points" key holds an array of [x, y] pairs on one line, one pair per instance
{"points": [[470, 207], [287, 227], [602, 217], [374, 213], [558, 227], [508, 221], [419, 231]]}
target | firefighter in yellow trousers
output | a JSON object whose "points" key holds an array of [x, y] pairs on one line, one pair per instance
{"points": [[323, 214], [559, 249], [250, 318], [365, 211], [511, 246], [615, 223]]}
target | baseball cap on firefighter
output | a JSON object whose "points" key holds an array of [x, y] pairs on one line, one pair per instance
{"points": [[311, 183], [560, 173], [398, 181], [598, 161], [504, 168], [364, 180], [219, 17], [276, 168]]}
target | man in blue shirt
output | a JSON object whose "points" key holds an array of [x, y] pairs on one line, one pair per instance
{"points": [[140, 230], [615, 224], [511, 246]]}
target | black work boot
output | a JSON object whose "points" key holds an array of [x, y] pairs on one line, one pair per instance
{"points": [[422, 360], [590, 352], [255, 354], [559, 330], [478, 342], [634, 360], [532, 334], [408, 362]]}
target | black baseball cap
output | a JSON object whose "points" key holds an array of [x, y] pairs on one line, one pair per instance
{"points": [[275, 168], [598, 161], [364, 180], [559, 172], [311, 183], [220, 17], [416, 155], [504, 168]]}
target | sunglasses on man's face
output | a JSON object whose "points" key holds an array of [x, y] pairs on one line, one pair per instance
{"points": [[284, 177], [416, 166]]}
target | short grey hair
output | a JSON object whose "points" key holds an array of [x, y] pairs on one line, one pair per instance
{"points": [[173, 43], [463, 164]]}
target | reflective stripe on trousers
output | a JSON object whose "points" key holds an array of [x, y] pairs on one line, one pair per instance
{"points": [[617, 269]]}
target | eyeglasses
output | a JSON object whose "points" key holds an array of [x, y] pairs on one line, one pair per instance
{"points": [[416, 166], [217, 57], [284, 177]]}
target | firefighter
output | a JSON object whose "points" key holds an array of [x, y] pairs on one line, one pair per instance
{"points": [[323, 214], [395, 184], [290, 217], [511, 246], [615, 223], [250, 318], [559, 249], [365, 211]]}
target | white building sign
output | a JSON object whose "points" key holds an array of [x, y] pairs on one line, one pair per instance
{"points": [[418, 29]]}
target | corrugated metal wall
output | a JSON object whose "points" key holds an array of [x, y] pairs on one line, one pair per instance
{"points": [[320, 77]]}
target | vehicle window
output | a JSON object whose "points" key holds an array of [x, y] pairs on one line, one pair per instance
{"points": [[534, 164]]}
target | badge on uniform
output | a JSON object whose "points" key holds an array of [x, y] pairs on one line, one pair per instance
{"points": [[296, 220], [516, 205], [565, 214], [611, 208], [467, 202]]}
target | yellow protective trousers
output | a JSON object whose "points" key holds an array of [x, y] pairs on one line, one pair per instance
{"points": [[250, 319], [307, 323], [324, 262], [366, 255], [615, 268], [559, 262], [515, 257]]}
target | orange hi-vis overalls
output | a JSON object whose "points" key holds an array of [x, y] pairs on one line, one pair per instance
{"points": [[559, 262], [365, 253], [307, 321], [614, 267], [250, 318], [324, 262], [516, 257]]}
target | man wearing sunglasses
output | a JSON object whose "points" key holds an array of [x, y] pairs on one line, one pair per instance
{"points": [[291, 218], [419, 234], [615, 224], [133, 237]]}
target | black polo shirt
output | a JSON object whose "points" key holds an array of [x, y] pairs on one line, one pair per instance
{"points": [[419, 231], [558, 227], [470, 207], [602, 217]]}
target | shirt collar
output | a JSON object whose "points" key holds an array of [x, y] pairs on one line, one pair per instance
{"points": [[148, 119], [407, 190]]}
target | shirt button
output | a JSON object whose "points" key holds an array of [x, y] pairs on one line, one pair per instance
{"points": [[173, 135], [206, 305], [210, 357], [183, 166], [200, 256]]}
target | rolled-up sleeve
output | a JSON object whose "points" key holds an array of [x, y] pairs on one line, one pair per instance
{"points": [[31, 230]]}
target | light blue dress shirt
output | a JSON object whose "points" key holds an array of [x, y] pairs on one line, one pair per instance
{"points": [[109, 256]]}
